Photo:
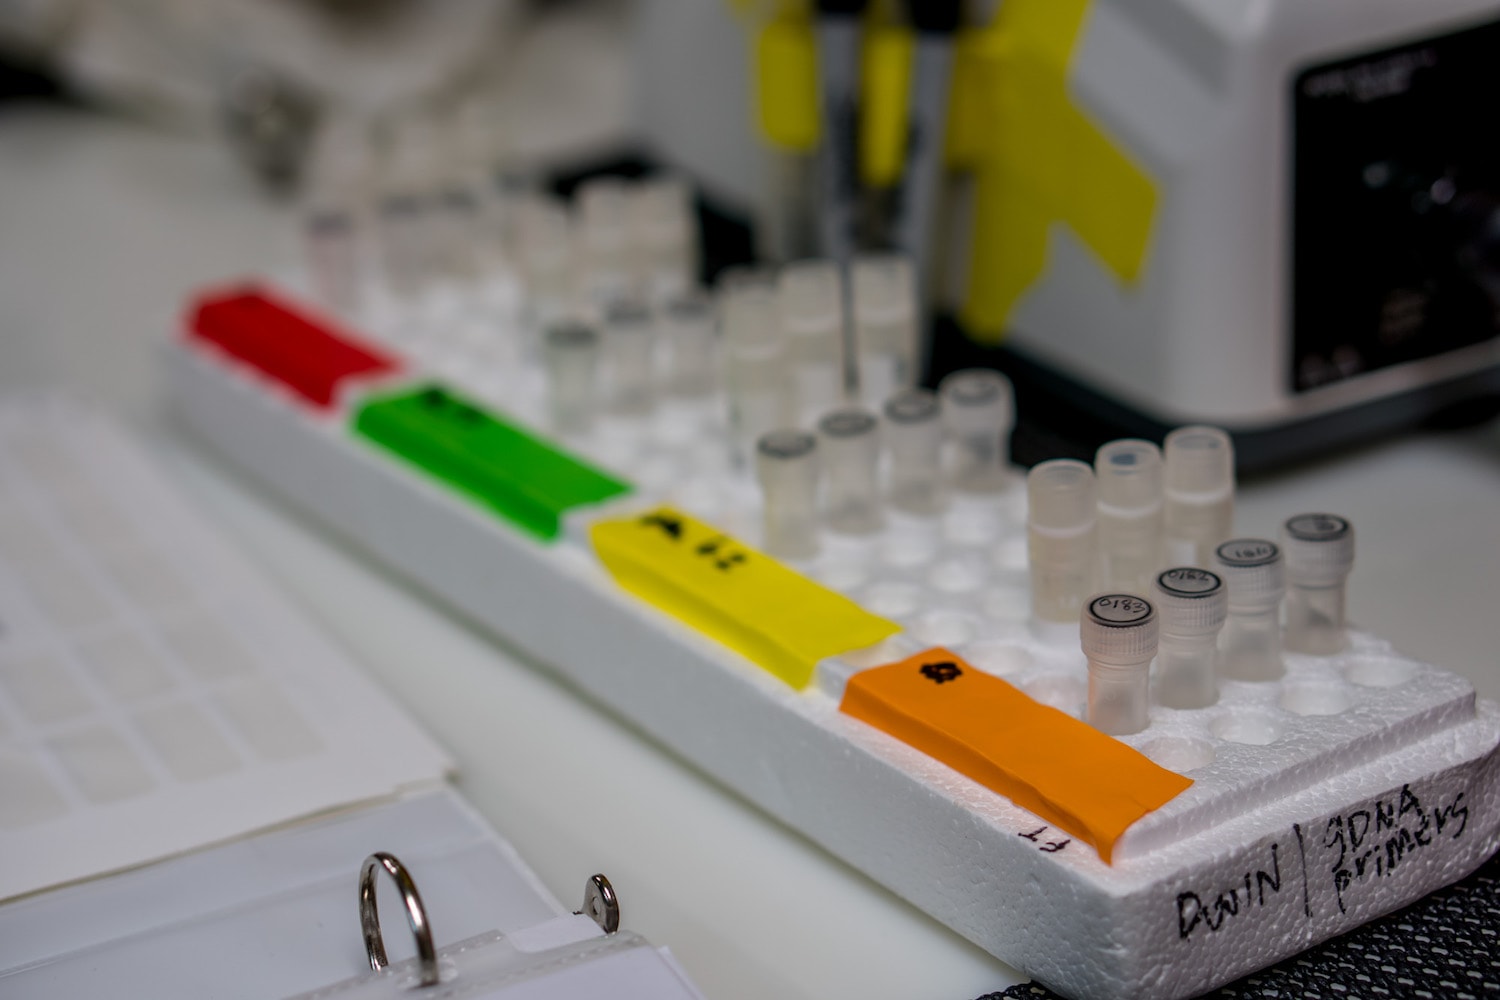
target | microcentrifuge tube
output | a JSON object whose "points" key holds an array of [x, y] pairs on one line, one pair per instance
{"points": [[1062, 537], [762, 394], [1199, 494], [1319, 555], [786, 463], [883, 291], [571, 354], [687, 335], [1118, 633], [914, 440], [664, 234], [1192, 604], [629, 358], [851, 463], [810, 295], [543, 231], [406, 208], [603, 222], [1250, 645], [336, 186], [1130, 514], [978, 413]]}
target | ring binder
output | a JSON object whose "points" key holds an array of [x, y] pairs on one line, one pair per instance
{"points": [[600, 903], [416, 916]]}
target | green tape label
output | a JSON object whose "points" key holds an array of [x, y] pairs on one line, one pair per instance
{"points": [[527, 480]]}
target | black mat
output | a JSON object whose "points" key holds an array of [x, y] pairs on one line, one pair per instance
{"points": [[1445, 947]]}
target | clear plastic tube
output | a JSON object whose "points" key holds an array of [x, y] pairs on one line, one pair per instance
{"points": [[1192, 604], [810, 296], [1130, 514], [757, 373], [603, 219], [687, 335], [665, 231], [571, 352], [544, 258], [406, 209], [629, 358], [851, 459], [883, 290], [786, 463], [1250, 644], [1199, 494], [1319, 555], [1118, 634], [1062, 538], [978, 411], [914, 439], [332, 213]]}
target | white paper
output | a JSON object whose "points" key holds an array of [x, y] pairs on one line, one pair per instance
{"points": [[156, 694]]}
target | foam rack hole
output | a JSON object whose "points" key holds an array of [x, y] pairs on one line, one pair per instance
{"points": [[944, 628], [1064, 693], [906, 551], [1315, 698], [1381, 671], [1179, 753], [956, 576], [844, 575], [1011, 554], [1006, 601], [999, 658], [1253, 728], [894, 600], [971, 525]]}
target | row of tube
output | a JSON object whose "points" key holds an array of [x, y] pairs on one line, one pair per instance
{"points": [[414, 205]]}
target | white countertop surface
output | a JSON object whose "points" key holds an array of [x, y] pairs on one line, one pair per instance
{"points": [[107, 226]]}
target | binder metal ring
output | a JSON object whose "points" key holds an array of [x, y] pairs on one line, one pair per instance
{"points": [[601, 904], [416, 916]]}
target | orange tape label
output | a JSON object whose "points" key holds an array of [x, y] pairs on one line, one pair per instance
{"points": [[1067, 772]]}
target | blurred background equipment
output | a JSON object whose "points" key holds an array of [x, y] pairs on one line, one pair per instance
{"points": [[1277, 218]]}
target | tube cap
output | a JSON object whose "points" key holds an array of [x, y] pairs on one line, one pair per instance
{"points": [[1191, 601], [1319, 549], [1118, 629], [786, 445], [977, 399], [1130, 477], [883, 289], [1061, 497], [912, 406], [810, 296], [850, 423], [1199, 464], [1252, 569]]}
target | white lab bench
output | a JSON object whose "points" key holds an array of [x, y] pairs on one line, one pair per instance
{"points": [[106, 227]]}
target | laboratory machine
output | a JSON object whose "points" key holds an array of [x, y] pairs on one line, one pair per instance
{"points": [[1278, 218]]}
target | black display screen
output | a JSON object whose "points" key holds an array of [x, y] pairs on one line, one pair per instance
{"points": [[1396, 206]]}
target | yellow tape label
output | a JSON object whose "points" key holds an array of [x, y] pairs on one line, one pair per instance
{"points": [[743, 598], [786, 83], [1044, 161]]}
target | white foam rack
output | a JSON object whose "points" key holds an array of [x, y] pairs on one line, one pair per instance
{"points": [[1356, 784]]}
